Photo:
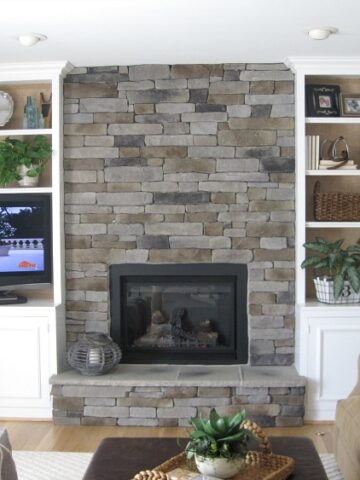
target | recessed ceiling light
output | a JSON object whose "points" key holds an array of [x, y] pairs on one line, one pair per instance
{"points": [[321, 33], [30, 39]]}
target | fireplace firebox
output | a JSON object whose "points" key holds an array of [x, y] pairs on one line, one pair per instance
{"points": [[180, 313]]}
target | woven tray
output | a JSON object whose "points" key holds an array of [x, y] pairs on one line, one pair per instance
{"points": [[336, 206], [262, 465]]}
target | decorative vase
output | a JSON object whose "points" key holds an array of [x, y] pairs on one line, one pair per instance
{"points": [[325, 292], [25, 180], [30, 113], [219, 467], [94, 354]]}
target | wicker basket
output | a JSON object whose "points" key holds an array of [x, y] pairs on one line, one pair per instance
{"points": [[336, 206], [262, 465]]}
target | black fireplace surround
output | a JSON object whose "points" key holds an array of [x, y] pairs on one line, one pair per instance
{"points": [[180, 313]]}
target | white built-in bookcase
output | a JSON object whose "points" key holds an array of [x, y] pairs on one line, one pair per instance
{"points": [[327, 336], [32, 335]]}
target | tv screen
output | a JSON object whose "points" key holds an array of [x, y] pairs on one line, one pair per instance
{"points": [[25, 236]]}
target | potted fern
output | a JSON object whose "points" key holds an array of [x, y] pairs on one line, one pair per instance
{"points": [[218, 444], [339, 270], [23, 160]]}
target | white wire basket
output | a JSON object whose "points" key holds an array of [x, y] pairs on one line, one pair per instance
{"points": [[325, 292]]}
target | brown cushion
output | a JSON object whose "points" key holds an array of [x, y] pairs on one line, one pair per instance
{"points": [[8, 469], [348, 437]]}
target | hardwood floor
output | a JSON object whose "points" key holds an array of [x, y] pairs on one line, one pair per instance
{"points": [[44, 436]]}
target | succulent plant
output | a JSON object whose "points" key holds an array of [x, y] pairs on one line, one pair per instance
{"points": [[219, 436]]}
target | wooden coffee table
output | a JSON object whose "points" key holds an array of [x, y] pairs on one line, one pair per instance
{"points": [[122, 458]]}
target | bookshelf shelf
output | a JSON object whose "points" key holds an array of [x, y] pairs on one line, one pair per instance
{"points": [[333, 173], [334, 120], [20, 132], [21, 190], [332, 225]]}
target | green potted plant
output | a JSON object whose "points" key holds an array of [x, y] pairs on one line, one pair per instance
{"points": [[218, 444], [339, 270], [23, 160]]}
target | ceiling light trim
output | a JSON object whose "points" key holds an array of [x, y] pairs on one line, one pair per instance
{"points": [[321, 33], [30, 39]]}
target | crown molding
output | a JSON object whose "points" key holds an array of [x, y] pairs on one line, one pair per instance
{"points": [[324, 65], [34, 70]]}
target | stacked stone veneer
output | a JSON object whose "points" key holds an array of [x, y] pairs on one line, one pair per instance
{"points": [[183, 163], [173, 406], [148, 396]]}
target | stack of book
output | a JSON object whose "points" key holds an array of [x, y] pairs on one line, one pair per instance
{"points": [[312, 152], [326, 164]]}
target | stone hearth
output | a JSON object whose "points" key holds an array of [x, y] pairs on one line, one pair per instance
{"points": [[168, 395]]}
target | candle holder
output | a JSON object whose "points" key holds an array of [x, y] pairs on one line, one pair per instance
{"points": [[94, 354]]}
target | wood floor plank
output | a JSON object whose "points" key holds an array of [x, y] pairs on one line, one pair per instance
{"points": [[45, 436]]}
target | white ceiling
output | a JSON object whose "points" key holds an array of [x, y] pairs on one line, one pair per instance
{"points": [[127, 32]]}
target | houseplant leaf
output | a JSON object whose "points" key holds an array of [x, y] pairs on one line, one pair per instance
{"points": [[354, 278], [338, 285]]}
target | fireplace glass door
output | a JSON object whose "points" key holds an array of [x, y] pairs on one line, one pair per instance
{"points": [[176, 318], [179, 314]]}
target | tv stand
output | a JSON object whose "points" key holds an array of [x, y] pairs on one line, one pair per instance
{"points": [[8, 298]]}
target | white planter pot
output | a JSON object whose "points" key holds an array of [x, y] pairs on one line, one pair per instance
{"points": [[25, 180], [325, 292], [219, 467]]}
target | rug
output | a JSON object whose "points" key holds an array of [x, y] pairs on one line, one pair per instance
{"points": [[72, 466], [51, 465], [331, 467]]}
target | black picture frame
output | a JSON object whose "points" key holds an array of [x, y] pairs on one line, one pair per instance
{"points": [[322, 100]]}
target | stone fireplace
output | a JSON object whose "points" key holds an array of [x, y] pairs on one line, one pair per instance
{"points": [[182, 164], [185, 313], [173, 165]]}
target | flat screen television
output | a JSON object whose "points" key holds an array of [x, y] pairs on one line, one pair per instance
{"points": [[25, 241]]}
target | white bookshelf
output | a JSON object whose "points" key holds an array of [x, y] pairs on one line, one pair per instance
{"points": [[36, 328], [327, 337]]}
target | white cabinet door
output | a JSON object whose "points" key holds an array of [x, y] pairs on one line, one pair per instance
{"points": [[24, 366], [333, 350]]}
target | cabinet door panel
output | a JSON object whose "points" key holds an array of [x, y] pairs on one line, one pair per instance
{"points": [[24, 364], [338, 369], [334, 346]]}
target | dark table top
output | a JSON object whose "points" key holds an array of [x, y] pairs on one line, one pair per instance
{"points": [[122, 458]]}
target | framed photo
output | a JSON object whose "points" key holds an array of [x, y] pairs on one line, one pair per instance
{"points": [[350, 104], [322, 100]]}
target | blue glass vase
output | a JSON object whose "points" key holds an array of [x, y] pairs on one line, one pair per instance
{"points": [[31, 113]]}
